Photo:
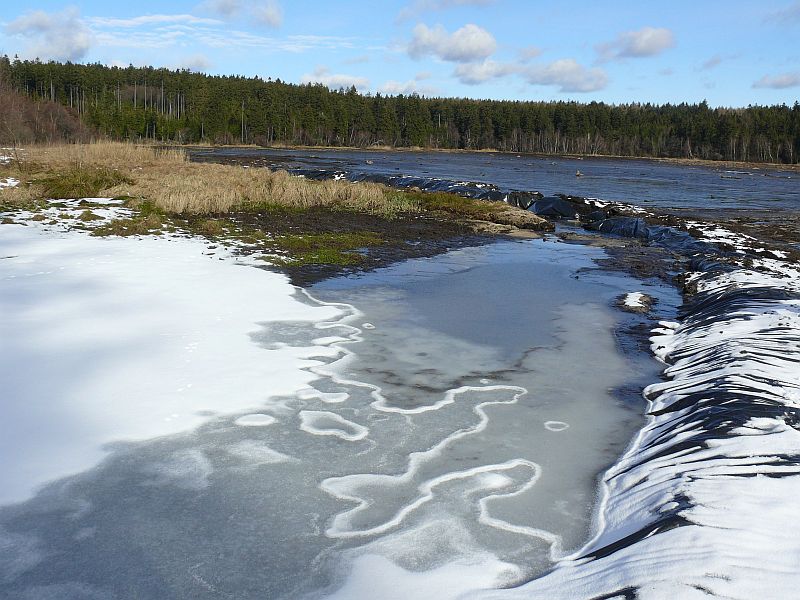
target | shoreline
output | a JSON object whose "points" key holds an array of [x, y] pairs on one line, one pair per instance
{"points": [[698, 162]]}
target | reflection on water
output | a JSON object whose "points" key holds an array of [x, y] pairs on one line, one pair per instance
{"points": [[464, 422]]}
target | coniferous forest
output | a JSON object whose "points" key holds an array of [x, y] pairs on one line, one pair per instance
{"points": [[47, 101]]}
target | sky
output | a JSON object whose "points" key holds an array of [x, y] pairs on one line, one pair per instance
{"points": [[729, 53]]}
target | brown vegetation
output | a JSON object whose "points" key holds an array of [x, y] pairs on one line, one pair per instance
{"points": [[168, 181], [303, 226], [25, 121]]}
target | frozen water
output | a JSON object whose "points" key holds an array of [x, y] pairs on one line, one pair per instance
{"points": [[244, 440], [118, 339]]}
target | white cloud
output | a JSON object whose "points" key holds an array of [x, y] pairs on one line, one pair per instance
{"points": [[420, 6], [529, 53], [57, 36], [393, 88], [335, 80], [357, 60], [648, 41], [477, 73], [468, 44], [197, 62], [264, 12], [568, 75], [779, 82], [268, 13], [225, 8], [150, 20]]}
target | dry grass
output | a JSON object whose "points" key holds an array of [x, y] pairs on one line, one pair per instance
{"points": [[215, 189], [167, 179]]}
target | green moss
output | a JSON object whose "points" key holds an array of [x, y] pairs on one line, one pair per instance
{"points": [[320, 241], [342, 249], [88, 215], [136, 226], [458, 206]]}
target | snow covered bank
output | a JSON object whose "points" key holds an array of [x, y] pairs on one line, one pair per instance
{"points": [[109, 339], [703, 502]]}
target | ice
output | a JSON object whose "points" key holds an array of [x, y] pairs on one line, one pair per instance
{"points": [[703, 501], [556, 425], [317, 422], [374, 576], [257, 453], [300, 453], [188, 469], [255, 420], [102, 338]]}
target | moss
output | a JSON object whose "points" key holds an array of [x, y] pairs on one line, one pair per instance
{"points": [[320, 257], [88, 215], [209, 227], [458, 206], [135, 226], [343, 249]]}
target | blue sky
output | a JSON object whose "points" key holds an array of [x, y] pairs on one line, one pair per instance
{"points": [[730, 53]]}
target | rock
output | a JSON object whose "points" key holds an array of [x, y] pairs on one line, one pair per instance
{"points": [[522, 219]]}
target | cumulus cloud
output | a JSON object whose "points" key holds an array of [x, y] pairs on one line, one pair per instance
{"points": [[268, 13], [779, 82], [420, 6], [57, 36], [648, 41], [568, 75], [335, 81], [481, 72], [468, 44]]}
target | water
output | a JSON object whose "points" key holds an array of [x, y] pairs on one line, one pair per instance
{"points": [[641, 182], [455, 445]]}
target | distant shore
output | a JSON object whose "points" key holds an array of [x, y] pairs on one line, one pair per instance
{"points": [[698, 162]]}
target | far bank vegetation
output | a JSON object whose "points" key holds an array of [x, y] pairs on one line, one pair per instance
{"points": [[165, 105]]}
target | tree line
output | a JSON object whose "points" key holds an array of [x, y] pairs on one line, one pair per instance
{"points": [[186, 107]]}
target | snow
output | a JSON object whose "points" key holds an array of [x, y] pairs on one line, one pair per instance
{"points": [[115, 339], [703, 502], [109, 339], [634, 300], [8, 182]]}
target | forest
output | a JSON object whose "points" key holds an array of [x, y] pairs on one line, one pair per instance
{"points": [[46, 101]]}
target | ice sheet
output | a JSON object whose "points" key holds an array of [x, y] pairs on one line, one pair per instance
{"points": [[110, 339]]}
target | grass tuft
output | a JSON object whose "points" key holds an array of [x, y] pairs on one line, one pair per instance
{"points": [[135, 226], [81, 182]]}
